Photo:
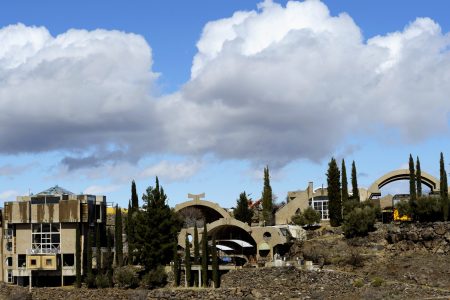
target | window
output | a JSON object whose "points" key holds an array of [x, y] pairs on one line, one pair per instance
{"points": [[320, 204], [45, 238], [48, 262], [9, 246], [33, 262], [21, 260], [10, 276], [9, 261]]}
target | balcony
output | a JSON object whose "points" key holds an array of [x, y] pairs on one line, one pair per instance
{"points": [[44, 250]]}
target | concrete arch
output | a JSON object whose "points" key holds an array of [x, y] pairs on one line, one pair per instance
{"points": [[203, 203], [401, 174]]}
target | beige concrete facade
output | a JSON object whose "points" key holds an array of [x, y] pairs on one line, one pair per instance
{"points": [[39, 234]]}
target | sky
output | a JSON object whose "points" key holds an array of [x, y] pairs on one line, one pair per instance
{"points": [[204, 94]]}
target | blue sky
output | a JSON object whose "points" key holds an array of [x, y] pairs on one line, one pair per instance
{"points": [[213, 130]]}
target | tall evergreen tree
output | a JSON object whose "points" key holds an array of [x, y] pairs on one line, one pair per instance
{"points": [[444, 189], [334, 194], [344, 190], [118, 237], [418, 178], [78, 256], [155, 229], [187, 261], [134, 196], [215, 264], [130, 233], [355, 189], [205, 256], [109, 258], [98, 252], [267, 199], [412, 186], [242, 212], [176, 267], [196, 254], [89, 253]]}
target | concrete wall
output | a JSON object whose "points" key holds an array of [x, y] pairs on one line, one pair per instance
{"points": [[23, 238], [68, 241]]}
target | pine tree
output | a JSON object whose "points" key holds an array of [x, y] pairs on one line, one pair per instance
{"points": [[176, 267], [215, 265], [196, 254], [98, 252], [412, 187], [242, 212], [334, 194], [187, 261], [205, 256], [355, 189], [267, 200], [344, 191], [418, 178], [77, 256], [156, 229], [118, 237], [444, 189]]}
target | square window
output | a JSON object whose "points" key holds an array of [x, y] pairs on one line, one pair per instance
{"points": [[33, 262], [48, 262]]}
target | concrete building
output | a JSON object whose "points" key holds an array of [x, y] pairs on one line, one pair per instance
{"points": [[38, 235]]}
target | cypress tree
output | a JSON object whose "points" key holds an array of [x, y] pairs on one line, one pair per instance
{"points": [[196, 254], [176, 267], [98, 252], [444, 189], [134, 196], [418, 178], [412, 186], [118, 237], [215, 265], [156, 228], [334, 194], [242, 212], [344, 191], [77, 256], [89, 253], [205, 256], [355, 189], [187, 261], [267, 202], [109, 258], [130, 233]]}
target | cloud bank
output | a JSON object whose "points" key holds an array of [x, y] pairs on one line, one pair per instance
{"points": [[271, 86]]}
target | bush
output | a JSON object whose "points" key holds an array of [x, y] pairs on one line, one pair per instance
{"points": [[355, 259], [102, 281], [126, 277], [377, 282], [428, 209], [90, 280], [155, 278], [360, 221], [358, 283], [309, 216]]}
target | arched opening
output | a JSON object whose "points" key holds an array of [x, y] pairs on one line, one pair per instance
{"points": [[197, 215], [234, 244]]}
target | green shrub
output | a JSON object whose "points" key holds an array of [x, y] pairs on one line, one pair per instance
{"points": [[309, 216], [102, 281], [377, 282], [428, 209], [358, 283], [90, 280], [404, 209], [126, 277], [360, 221], [355, 259], [155, 278]]}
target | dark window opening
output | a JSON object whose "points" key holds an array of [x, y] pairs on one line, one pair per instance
{"points": [[68, 260], [22, 260]]}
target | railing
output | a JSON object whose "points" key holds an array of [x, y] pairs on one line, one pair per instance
{"points": [[40, 250]]}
